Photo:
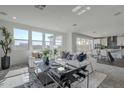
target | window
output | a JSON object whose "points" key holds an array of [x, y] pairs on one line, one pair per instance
{"points": [[48, 37], [49, 40], [21, 37], [84, 45], [37, 40], [58, 41]]}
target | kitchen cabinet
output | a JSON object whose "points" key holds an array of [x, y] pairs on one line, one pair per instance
{"points": [[120, 41], [104, 41]]}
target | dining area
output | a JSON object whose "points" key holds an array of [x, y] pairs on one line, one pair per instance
{"points": [[109, 56]]}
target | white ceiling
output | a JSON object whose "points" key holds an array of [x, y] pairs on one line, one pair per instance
{"points": [[97, 22]]}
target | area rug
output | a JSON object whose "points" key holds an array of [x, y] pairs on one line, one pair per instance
{"points": [[95, 79], [21, 78], [15, 78], [17, 72]]}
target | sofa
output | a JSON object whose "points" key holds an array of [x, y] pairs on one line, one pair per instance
{"points": [[90, 62]]}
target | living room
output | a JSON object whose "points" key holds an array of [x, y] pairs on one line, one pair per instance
{"points": [[44, 46]]}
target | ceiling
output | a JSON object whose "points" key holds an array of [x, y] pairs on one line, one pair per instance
{"points": [[98, 22]]}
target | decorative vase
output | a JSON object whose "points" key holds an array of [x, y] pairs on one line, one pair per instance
{"points": [[46, 60], [5, 62]]}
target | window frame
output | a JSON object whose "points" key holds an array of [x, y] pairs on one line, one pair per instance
{"points": [[23, 29], [45, 41], [37, 46], [60, 42], [82, 43]]}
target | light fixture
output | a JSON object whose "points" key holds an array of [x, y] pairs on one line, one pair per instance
{"points": [[14, 17], [76, 8], [81, 12], [88, 8], [41, 7], [81, 9]]}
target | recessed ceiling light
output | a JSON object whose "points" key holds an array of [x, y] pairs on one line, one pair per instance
{"points": [[117, 13], [76, 8], [14, 17], [81, 12], [74, 25]]}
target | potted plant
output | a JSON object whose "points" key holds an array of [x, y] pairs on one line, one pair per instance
{"points": [[46, 54], [6, 47]]}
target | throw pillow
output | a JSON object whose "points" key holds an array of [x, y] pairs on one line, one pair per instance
{"points": [[81, 57]]}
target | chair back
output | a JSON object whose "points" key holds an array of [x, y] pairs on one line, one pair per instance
{"points": [[110, 57]]}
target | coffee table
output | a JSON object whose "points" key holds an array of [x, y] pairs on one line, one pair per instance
{"points": [[68, 76], [62, 75]]}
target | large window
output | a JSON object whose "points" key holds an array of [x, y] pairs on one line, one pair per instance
{"points": [[37, 40], [84, 45], [49, 40], [58, 41], [21, 37], [40, 40]]}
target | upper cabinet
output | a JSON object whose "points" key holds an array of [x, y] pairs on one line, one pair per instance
{"points": [[120, 41]]}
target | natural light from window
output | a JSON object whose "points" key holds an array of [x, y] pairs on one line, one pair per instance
{"points": [[20, 37]]}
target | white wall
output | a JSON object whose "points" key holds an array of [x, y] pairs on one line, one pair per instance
{"points": [[69, 42], [18, 55]]}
